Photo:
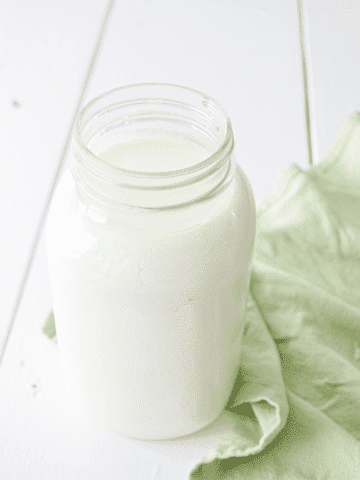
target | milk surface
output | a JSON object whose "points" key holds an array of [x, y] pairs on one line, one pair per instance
{"points": [[159, 154], [150, 322]]}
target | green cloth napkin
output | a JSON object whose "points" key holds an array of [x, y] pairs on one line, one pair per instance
{"points": [[296, 401]]}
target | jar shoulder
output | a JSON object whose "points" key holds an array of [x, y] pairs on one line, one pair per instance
{"points": [[230, 215]]}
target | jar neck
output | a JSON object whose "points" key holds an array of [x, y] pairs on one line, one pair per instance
{"points": [[145, 112]]}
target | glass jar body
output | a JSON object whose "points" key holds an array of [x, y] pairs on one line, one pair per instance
{"points": [[150, 326], [149, 304]]}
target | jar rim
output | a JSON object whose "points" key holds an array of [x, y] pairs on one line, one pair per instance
{"points": [[228, 139]]}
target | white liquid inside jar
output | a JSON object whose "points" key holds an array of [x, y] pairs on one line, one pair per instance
{"points": [[155, 154], [149, 303]]}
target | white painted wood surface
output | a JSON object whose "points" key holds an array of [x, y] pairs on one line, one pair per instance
{"points": [[244, 54], [333, 51]]}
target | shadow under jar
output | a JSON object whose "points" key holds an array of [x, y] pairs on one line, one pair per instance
{"points": [[150, 239]]}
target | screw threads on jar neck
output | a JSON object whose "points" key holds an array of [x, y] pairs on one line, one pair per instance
{"points": [[147, 111]]}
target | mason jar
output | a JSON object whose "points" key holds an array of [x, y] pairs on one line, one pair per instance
{"points": [[149, 239]]}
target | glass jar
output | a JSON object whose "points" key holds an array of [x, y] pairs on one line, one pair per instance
{"points": [[150, 238]]}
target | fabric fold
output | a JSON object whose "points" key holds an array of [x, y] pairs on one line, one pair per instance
{"points": [[258, 398]]}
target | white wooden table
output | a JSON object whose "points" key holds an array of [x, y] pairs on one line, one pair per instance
{"points": [[55, 56]]}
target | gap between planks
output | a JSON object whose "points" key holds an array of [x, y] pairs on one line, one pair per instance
{"points": [[305, 78]]}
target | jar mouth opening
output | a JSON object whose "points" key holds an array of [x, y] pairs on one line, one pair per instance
{"points": [[156, 95]]}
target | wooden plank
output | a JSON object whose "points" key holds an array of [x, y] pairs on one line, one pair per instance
{"points": [[333, 52], [45, 51]]}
